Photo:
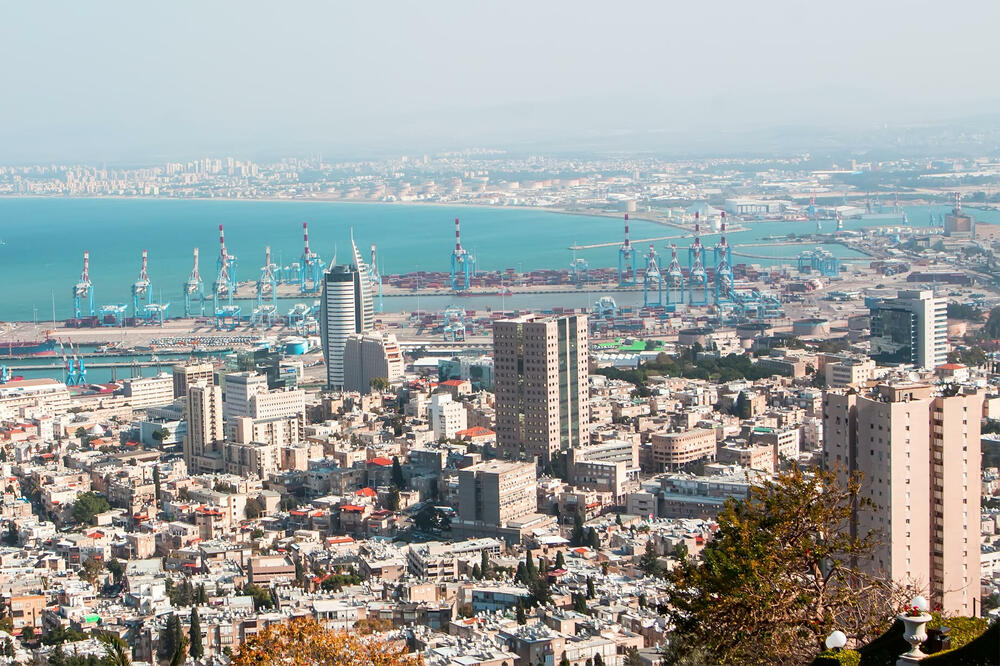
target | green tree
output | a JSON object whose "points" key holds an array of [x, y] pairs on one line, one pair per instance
{"points": [[380, 384], [590, 588], [300, 574], [577, 537], [117, 570], [593, 539], [116, 651], [564, 661], [197, 650], [632, 657], [156, 483], [398, 479], [580, 604], [254, 508], [477, 573], [392, 501], [261, 597], [88, 505], [560, 560], [91, 570], [598, 659], [160, 434], [530, 572], [649, 562], [520, 573], [484, 564], [779, 575]]}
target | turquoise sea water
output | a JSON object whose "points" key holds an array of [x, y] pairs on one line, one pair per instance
{"points": [[43, 242]]}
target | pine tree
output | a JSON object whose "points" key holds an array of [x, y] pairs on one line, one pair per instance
{"points": [[196, 650], [521, 619], [168, 638], [477, 573], [484, 564], [560, 560], [618, 522], [202, 594], [564, 661], [530, 572], [593, 540], [299, 572], [590, 588], [543, 566], [398, 479], [156, 483], [576, 538], [598, 660], [520, 574]]}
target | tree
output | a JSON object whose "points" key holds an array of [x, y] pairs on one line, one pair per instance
{"points": [[116, 651], [560, 560], [169, 639], [197, 650], [577, 536], [305, 642], [618, 522], [590, 588], [593, 539], [580, 604], [398, 479], [300, 574], [253, 508], [392, 501], [598, 659], [632, 657], [117, 569], [477, 573], [160, 434], [90, 570], [261, 597], [530, 572], [156, 483], [484, 564], [779, 575], [564, 661], [520, 574], [379, 384], [87, 506], [649, 562], [521, 618]]}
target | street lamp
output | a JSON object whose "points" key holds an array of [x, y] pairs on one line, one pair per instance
{"points": [[837, 640]]}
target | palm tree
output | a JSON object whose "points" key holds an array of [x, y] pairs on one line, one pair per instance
{"points": [[116, 650]]}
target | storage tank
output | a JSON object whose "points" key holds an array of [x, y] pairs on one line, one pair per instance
{"points": [[811, 328], [296, 346]]}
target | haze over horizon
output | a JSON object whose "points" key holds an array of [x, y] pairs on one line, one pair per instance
{"points": [[131, 82]]}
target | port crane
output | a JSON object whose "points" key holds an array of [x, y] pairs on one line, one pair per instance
{"points": [[228, 314], [310, 266], [83, 290], [463, 264], [626, 261], [194, 289], [266, 312]]}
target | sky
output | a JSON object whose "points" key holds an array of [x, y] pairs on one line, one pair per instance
{"points": [[121, 81]]}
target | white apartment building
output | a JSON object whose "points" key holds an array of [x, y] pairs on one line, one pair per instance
{"points": [[447, 416], [145, 392]]}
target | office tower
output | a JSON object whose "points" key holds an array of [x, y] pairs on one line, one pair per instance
{"points": [[371, 355], [541, 384], [239, 388], [496, 492], [347, 308], [911, 329], [203, 443], [447, 416], [191, 373], [919, 453]]}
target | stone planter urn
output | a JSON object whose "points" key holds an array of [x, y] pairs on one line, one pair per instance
{"points": [[915, 633]]}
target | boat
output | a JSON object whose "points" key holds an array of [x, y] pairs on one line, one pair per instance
{"points": [[28, 347]]}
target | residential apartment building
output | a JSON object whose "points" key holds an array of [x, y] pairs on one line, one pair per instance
{"points": [[497, 492], [447, 416], [673, 450], [205, 434], [911, 329], [541, 377], [371, 355], [919, 452], [144, 392], [186, 374]]}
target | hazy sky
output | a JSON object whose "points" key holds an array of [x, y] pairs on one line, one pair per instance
{"points": [[146, 80]]}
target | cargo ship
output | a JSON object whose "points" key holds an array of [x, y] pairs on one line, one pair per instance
{"points": [[28, 347]]}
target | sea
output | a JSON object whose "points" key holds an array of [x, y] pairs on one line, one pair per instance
{"points": [[42, 241]]}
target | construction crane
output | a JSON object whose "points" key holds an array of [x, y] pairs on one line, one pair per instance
{"points": [[194, 289], [463, 264], [83, 290]]}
